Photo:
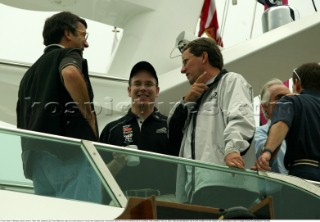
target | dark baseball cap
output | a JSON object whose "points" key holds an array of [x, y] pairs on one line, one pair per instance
{"points": [[143, 66]]}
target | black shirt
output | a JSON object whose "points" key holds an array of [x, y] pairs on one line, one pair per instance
{"points": [[152, 136], [301, 114], [44, 105]]}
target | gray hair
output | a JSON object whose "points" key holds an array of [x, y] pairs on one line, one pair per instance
{"points": [[265, 93]]}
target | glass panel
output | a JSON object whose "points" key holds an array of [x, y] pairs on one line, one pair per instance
{"points": [[216, 186], [160, 175], [11, 170], [72, 161], [138, 175]]}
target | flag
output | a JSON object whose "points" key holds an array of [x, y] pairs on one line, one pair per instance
{"points": [[209, 21]]}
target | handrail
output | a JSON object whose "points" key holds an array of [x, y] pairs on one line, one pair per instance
{"points": [[172, 159], [15, 64], [7, 185], [178, 160], [92, 74], [270, 176], [17, 131], [261, 183], [89, 150], [142, 153]]}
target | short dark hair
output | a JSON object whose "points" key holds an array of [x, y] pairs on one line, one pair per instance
{"points": [[309, 74], [55, 26], [200, 45], [143, 66]]}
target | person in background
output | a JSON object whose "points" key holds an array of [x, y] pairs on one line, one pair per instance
{"points": [[296, 118], [145, 127], [214, 122], [55, 96], [271, 92]]}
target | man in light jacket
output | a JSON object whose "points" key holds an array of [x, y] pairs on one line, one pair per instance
{"points": [[214, 122]]}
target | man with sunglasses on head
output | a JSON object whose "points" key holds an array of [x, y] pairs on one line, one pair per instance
{"points": [[55, 97], [296, 119], [214, 123]]}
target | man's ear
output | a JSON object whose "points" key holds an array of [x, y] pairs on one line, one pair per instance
{"points": [[264, 108], [204, 57], [67, 34], [298, 86], [129, 91]]}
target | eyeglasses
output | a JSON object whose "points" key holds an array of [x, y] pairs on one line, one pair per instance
{"points": [[185, 61], [295, 72], [146, 84], [86, 34], [278, 97]]}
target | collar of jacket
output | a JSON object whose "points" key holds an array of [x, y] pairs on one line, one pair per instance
{"points": [[133, 117], [52, 47]]}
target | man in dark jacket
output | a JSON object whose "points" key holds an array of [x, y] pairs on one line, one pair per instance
{"points": [[145, 127], [296, 118], [55, 97]]}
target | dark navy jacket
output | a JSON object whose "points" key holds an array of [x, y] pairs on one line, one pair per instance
{"points": [[151, 174]]}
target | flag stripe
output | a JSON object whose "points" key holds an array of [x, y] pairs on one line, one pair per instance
{"points": [[211, 13], [209, 21]]}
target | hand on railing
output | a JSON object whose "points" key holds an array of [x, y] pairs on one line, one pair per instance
{"points": [[118, 162]]}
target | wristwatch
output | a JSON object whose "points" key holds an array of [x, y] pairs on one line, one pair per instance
{"points": [[265, 149]]}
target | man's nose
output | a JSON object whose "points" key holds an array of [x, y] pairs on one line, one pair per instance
{"points": [[183, 70], [86, 44]]}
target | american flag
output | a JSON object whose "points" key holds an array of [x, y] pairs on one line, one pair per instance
{"points": [[209, 21]]}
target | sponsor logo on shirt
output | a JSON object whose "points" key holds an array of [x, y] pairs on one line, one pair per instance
{"points": [[162, 130], [127, 133]]}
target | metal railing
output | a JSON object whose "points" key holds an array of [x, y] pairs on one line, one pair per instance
{"points": [[92, 74]]}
